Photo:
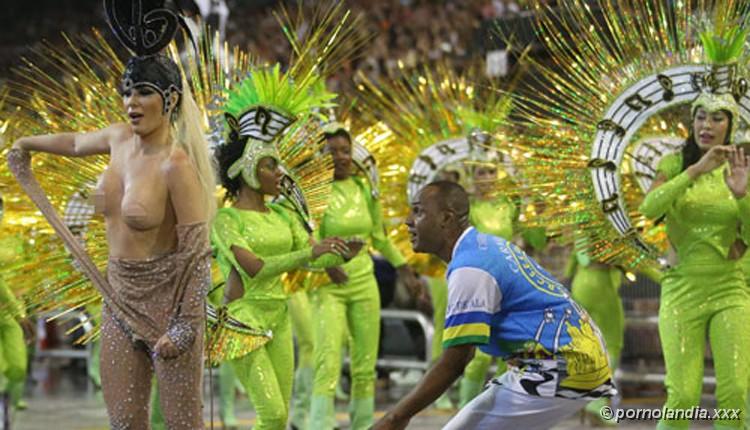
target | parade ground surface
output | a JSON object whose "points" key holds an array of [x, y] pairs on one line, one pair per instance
{"points": [[63, 400]]}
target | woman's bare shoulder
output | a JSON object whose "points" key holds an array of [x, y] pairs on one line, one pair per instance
{"points": [[119, 131], [178, 167]]}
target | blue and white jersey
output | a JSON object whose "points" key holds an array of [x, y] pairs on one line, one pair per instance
{"points": [[510, 307]]}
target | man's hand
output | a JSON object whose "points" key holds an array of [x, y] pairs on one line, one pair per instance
{"points": [[434, 383], [165, 348], [389, 422]]}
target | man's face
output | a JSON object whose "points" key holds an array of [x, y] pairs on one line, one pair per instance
{"points": [[423, 222]]}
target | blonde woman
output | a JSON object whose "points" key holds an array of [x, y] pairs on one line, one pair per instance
{"points": [[156, 198]]}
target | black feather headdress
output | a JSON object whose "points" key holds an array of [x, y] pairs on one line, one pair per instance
{"points": [[146, 27]]}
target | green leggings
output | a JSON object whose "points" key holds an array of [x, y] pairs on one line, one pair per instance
{"points": [[300, 310], [267, 374], [439, 294], [597, 291], [709, 300], [356, 306], [13, 359]]}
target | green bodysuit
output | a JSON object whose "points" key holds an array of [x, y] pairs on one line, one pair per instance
{"points": [[596, 288], [12, 346], [277, 238], [351, 212], [705, 293], [495, 217]]}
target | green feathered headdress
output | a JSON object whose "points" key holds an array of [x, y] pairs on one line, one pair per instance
{"points": [[723, 39], [261, 107], [271, 89], [723, 44]]}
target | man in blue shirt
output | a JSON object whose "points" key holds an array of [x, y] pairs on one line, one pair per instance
{"points": [[503, 302]]}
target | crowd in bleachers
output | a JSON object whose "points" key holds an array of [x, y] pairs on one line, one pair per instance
{"points": [[409, 32]]}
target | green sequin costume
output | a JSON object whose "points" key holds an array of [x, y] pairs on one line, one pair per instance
{"points": [[596, 287], [705, 293], [12, 346], [278, 238], [351, 212]]}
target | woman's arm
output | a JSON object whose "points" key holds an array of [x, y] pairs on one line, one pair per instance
{"points": [[663, 193], [72, 144], [184, 186], [228, 238], [193, 245]]}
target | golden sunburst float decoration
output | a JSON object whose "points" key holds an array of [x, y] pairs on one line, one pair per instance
{"points": [[618, 73], [420, 124], [75, 89]]}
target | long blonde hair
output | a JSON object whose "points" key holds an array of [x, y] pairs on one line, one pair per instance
{"points": [[189, 136]]}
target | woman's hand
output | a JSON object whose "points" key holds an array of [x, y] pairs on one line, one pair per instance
{"points": [[712, 159], [29, 330], [337, 275], [410, 280], [19, 144], [331, 244], [736, 175], [355, 245], [19, 161], [165, 348]]}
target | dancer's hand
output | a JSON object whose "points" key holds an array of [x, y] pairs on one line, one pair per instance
{"points": [[736, 175], [389, 422], [165, 348], [333, 245], [355, 245], [410, 280], [712, 159], [19, 161], [29, 330], [337, 275]]}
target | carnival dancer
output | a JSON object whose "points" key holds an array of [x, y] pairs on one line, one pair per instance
{"points": [[275, 146], [14, 327], [702, 194], [156, 197], [256, 242], [351, 301]]}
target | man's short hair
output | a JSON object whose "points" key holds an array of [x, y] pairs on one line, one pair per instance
{"points": [[451, 196]]}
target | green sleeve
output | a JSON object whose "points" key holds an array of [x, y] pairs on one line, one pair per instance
{"points": [[571, 266], [658, 201], [744, 206], [536, 237], [380, 241], [9, 305], [302, 241], [652, 273], [227, 232]]}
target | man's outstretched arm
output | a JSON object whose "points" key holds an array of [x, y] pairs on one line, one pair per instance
{"points": [[434, 383]]}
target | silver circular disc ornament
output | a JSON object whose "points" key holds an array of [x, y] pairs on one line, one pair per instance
{"points": [[649, 96], [648, 152]]}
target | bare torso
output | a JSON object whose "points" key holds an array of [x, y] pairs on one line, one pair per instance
{"points": [[133, 196]]}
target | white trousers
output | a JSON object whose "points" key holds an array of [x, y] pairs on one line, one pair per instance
{"points": [[499, 408]]}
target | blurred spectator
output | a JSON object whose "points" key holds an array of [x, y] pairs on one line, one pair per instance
{"points": [[405, 33]]}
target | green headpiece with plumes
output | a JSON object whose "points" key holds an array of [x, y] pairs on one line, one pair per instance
{"points": [[723, 45], [259, 110]]}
